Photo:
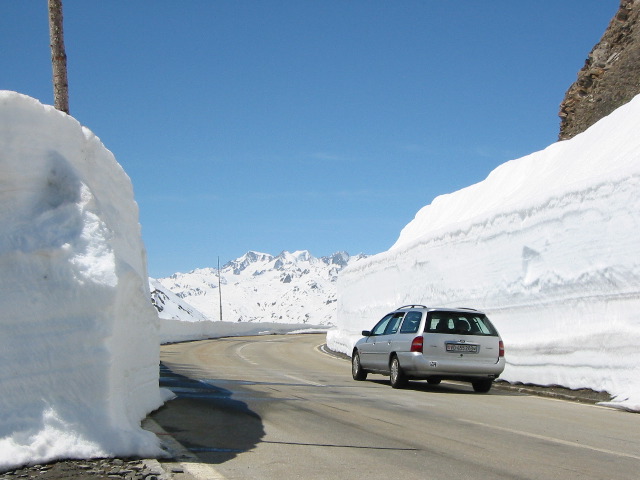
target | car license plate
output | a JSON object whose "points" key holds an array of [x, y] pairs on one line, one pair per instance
{"points": [[461, 348]]}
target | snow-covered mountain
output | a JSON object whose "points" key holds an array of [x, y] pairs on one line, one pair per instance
{"points": [[257, 287], [172, 307]]}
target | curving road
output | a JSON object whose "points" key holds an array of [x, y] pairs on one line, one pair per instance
{"points": [[277, 407]]}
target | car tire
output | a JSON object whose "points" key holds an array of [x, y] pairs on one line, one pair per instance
{"points": [[433, 381], [357, 372], [397, 377], [482, 386]]}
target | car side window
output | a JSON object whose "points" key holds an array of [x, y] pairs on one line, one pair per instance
{"points": [[381, 325], [394, 323], [411, 322]]}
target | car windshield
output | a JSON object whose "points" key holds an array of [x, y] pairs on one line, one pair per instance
{"points": [[459, 323]]}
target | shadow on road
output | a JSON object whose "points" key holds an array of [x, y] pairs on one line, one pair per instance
{"points": [[205, 419], [443, 388]]}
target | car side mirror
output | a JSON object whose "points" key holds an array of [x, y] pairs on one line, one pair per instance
{"points": [[366, 333]]}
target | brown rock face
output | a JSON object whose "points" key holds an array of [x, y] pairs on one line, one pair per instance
{"points": [[610, 76]]}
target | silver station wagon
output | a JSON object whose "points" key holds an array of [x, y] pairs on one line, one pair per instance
{"points": [[433, 344]]}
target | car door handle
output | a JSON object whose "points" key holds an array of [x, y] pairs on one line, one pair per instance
{"points": [[389, 342]]}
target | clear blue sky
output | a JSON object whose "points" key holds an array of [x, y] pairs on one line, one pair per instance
{"points": [[275, 125]]}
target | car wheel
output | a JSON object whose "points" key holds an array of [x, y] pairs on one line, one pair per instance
{"points": [[356, 369], [397, 377], [433, 381], [482, 386]]}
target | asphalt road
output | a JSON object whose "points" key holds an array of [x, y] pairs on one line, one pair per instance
{"points": [[276, 407]]}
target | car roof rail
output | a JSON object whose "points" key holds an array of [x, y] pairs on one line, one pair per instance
{"points": [[412, 306], [467, 308]]}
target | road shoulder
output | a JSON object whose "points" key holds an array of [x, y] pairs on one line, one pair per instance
{"points": [[583, 395]]}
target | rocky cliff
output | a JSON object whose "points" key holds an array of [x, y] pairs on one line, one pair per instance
{"points": [[610, 77]]}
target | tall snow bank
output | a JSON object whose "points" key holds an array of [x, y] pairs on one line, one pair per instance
{"points": [[172, 330], [78, 351], [548, 245]]}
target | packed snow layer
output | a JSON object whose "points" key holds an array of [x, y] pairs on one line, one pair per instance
{"points": [[78, 351], [547, 245]]}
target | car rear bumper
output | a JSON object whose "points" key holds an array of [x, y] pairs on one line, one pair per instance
{"points": [[417, 365]]}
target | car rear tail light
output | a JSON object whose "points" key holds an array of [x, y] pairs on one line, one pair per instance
{"points": [[417, 344], [501, 354]]}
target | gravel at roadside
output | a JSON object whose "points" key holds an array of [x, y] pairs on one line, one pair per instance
{"points": [[583, 395], [100, 469], [112, 468]]}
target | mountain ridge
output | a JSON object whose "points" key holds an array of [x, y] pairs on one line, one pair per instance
{"points": [[291, 287]]}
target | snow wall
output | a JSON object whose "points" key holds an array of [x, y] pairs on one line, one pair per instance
{"points": [[547, 245], [174, 331], [78, 352]]}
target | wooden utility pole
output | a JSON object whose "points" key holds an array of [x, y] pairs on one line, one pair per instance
{"points": [[58, 57], [219, 289]]}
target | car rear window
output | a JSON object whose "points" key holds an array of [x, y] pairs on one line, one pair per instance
{"points": [[459, 323]]}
